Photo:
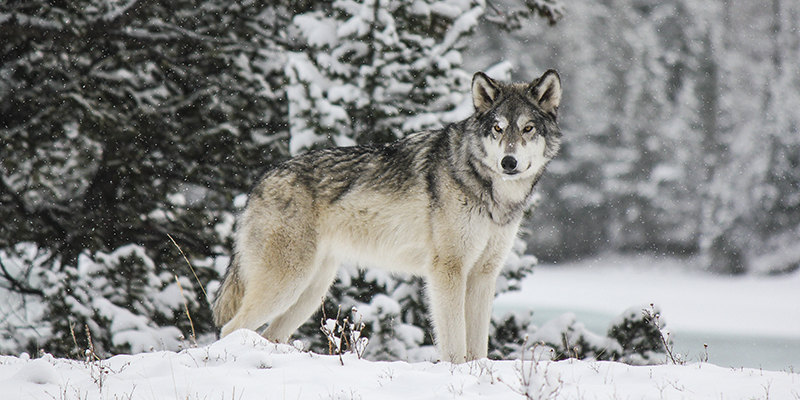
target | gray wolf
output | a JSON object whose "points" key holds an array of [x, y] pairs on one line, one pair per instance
{"points": [[443, 204]]}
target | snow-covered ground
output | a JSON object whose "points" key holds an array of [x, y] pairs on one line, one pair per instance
{"points": [[244, 366], [750, 320]]}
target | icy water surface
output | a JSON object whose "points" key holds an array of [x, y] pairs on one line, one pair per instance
{"points": [[734, 351]]}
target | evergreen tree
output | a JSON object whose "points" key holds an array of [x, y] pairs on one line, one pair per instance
{"points": [[127, 122], [376, 70], [108, 111]]}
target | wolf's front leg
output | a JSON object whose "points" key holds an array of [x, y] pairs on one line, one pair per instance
{"points": [[446, 292], [481, 282], [478, 311]]}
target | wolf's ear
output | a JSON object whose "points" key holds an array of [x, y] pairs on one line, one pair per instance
{"points": [[484, 92], [547, 91]]}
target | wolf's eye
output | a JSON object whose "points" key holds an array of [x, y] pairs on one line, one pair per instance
{"points": [[527, 129], [497, 128]]}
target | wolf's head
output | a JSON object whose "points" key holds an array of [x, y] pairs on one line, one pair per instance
{"points": [[517, 123]]}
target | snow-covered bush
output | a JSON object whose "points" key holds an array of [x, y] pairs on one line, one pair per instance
{"points": [[569, 338], [392, 309], [507, 335], [634, 337], [124, 300], [638, 331]]}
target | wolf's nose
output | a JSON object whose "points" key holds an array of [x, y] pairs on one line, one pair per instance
{"points": [[508, 163]]}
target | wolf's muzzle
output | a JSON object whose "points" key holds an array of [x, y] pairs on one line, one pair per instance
{"points": [[509, 164]]}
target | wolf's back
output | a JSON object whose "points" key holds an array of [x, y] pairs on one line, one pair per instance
{"points": [[229, 296]]}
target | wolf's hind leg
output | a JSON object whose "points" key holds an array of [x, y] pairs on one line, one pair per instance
{"points": [[282, 327], [270, 288]]}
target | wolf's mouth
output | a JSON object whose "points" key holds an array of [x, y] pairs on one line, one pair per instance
{"points": [[517, 173]]}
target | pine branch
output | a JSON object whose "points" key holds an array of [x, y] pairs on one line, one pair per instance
{"points": [[16, 285]]}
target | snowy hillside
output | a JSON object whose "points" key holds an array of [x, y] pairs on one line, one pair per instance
{"points": [[244, 366]]}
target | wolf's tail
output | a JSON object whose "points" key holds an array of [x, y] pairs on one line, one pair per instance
{"points": [[229, 296]]}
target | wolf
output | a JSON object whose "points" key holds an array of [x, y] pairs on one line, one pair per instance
{"points": [[442, 204]]}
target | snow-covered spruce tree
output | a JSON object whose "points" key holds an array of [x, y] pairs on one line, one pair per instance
{"points": [[376, 69], [125, 122]]}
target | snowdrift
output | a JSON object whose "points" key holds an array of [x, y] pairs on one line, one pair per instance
{"points": [[244, 366]]}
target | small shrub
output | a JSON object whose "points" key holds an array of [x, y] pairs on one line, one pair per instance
{"points": [[507, 335], [570, 339], [634, 337], [639, 335]]}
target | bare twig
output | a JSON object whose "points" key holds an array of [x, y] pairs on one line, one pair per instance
{"points": [[74, 339], [188, 315], [654, 318], [190, 266]]}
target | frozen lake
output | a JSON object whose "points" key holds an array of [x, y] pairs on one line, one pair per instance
{"points": [[746, 321]]}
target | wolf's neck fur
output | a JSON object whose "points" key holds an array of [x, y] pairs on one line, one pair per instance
{"points": [[510, 198]]}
